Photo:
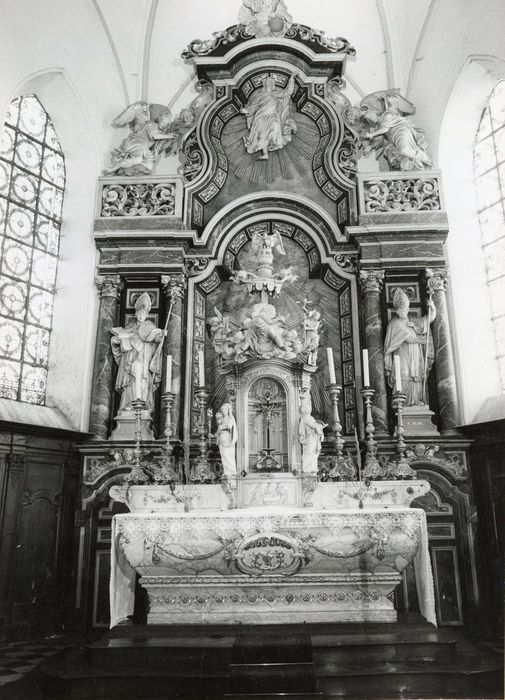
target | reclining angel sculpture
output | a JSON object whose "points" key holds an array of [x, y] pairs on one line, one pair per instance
{"points": [[386, 129], [149, 125]]}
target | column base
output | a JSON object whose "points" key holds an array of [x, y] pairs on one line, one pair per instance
{"points": [[126, 426], [417, 420]]}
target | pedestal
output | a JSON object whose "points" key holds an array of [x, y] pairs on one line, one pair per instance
{"points": [[126, 426], [418, 420]]}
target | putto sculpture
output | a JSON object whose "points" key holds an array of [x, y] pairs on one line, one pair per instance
{"points": [[136, 349], [268, 118], [382, 119], [409, 338], [264, 18]]}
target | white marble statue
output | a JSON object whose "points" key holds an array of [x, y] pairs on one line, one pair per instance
{"points": [[264, 18], [311, 435], [310, 326], [409, 338], [137, 351], [137, 154], [388, 130], [268, 118], [226, 437]]}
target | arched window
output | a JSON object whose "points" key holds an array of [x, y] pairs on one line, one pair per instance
{"points": [[489, 166], [32, 179]]}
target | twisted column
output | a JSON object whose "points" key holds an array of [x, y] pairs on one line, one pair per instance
{"points": [[174, 289], [436, 279], [371, 286], [102, 391]]}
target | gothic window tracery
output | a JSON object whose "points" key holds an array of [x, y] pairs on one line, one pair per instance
{"points": [[32, 181], [489, 167]]}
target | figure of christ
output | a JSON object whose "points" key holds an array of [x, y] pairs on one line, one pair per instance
{"points": [[136, 349], [268, 118]]}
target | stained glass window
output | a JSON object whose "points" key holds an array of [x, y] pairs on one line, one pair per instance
{"points": [[32, 179], [489, 166]]}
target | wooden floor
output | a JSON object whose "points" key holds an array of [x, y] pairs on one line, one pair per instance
{"points": [[408, 659]]}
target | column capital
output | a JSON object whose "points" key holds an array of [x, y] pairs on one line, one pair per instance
{"points": [[108, 285], [436, 279], [174, 285], [371, 280]]}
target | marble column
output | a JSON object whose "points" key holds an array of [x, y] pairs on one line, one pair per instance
{"points": [[102, 391], [174, 288], [448, 408], [371, 287]]}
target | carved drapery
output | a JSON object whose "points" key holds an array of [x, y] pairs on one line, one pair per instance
{"points": [[371, 286], [109, 288], [174, 289], [436, 279]]}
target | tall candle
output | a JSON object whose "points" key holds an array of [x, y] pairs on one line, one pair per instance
{"points": [[331, 366], [168, 374], [366, 372], [201, 368], [398, 374], [138, 382]]}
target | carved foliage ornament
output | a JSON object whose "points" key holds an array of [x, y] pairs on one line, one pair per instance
{"points": [[410, 194], [142, 199]]}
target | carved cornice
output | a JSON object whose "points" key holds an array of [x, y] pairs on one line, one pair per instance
{"points": [[108, 286], [436, 279], [371, 280]]}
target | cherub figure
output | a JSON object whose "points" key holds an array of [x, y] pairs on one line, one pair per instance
{"points": [[265, 17], [388, 131], [149, 125]]}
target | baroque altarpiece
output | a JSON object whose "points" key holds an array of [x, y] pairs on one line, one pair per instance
{"points": [[236, 298]]}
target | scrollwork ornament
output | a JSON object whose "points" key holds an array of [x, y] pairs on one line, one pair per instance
{"points": [[138, 199], [347, 261], [196, 265], [409, 194]]}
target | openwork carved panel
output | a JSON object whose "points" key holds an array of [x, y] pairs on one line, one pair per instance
{"points": [[133, 199], [401, 194]]}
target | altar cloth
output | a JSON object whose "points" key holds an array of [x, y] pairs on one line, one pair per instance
{"points": [[139, 544]]}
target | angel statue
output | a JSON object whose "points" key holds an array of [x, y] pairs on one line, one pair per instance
{"points": [[389, 132], [263, 245], [265, 17], [139, 151]]}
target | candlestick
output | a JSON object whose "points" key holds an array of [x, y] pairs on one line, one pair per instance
{"points": [[202, 470], [201, 369], [331, 366], [168, 374], [398, 374], [168, 473], [138, 382], [137, 474], [400, 469], [373, 469], [366, 372], [342, 468]]}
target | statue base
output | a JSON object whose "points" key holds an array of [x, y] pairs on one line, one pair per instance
{"points": [[418, 420], [126, 425]]}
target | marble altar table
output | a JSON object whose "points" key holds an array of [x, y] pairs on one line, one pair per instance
{"points": [[269, 565]]}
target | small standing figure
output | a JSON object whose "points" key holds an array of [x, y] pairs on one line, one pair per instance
{"points": [[310, 326], [136, 349], [268, 118], [149, 125], [311, 436], [226, 437], [265, 17], [391, 133], [409, 338]]}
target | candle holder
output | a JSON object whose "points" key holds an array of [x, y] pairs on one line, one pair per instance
{"points": [[373, 469], [340, 467], [168, 473], [401, 469], [202, 470], [137, 474]]}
